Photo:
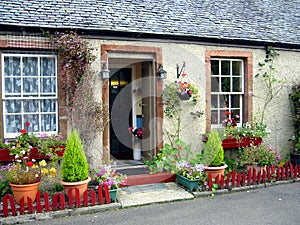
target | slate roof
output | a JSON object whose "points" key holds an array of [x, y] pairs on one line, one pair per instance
{"points": [[275, 21]]}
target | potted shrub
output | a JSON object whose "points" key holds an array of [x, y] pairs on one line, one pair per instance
{"points": [[295, 105], [107, 175], [75, 168], [24, 177], [213, 155], [258, 157]]}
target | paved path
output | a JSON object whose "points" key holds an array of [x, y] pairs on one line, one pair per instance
{"points": [[279, 204]]}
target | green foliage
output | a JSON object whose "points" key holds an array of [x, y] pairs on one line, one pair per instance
{"points": [[4, 189], [168, 156], [74, 164], [261, 155], [268, 73], [249, 129], [295, 105], [57, 187], [213, 153]]}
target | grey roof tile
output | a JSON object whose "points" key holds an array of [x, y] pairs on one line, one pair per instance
{"points": [[259, 20]]}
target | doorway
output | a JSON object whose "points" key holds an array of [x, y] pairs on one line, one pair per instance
{"points": [[119, 80]]}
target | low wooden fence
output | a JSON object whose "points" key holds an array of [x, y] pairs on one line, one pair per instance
{"points": [[102, 196], [57, 202], [253, 177]]}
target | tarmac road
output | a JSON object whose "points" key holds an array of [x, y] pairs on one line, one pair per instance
{"points": [[278, 204]]}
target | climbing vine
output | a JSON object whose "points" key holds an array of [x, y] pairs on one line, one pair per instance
{"points": [[268, 73]]}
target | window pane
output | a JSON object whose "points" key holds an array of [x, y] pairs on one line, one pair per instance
{"points": [[236, 84], [12, 66], [225, 67], [48, 122], [48, 85], [223, 116], [214, 67], [236, 67], [214, 101], [225, 84], [31, 106], [224, 101], [12, 85], [13, 123], [48, 105], [12, 106], [34, 122], [215, 84], [214, 117], [48, 66], [30, 85], [235, 101], [30, 66]]}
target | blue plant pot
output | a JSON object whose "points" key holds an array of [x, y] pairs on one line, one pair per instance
{"points": [[113, 195], [190, 184]]}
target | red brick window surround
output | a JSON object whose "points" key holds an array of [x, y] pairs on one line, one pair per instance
{"points": [[233, 66]]}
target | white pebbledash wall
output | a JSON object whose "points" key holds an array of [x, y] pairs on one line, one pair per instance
{"points": [[278, 115]]}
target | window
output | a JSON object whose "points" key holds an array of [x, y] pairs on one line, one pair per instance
{"points": [[29, 93], [227, 89]]}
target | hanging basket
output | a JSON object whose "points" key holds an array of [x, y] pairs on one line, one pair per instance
{"points": [[183, 96]]}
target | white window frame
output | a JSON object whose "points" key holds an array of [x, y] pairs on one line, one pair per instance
{"points": [[231, 92], [40, 96]]}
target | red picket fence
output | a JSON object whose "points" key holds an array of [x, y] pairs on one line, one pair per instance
{"points": [[90, 198], [253, 177]]}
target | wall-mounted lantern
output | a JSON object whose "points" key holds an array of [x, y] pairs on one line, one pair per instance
{"points": [[162, 74], [105, 72]]}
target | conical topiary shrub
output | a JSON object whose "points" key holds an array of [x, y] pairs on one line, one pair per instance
{"points": [[75, 168], [213, 155], [74, 164]]}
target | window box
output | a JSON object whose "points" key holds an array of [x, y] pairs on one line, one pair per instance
{"points": [[34, 154], [241, 142]]}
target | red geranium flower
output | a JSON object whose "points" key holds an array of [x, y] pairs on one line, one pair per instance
{"points": [[27, 124], [30, 164], [23, 131], [228, 112]]}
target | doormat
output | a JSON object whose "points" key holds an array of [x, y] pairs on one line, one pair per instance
{"points": [[151, 193]]}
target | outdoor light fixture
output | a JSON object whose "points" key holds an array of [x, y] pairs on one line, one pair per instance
{"points": [[105, 72], [162, 74]]}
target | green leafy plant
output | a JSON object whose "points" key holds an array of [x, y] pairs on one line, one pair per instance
{"points": [[249, 129], [74, 163], [260, 155], [4, 189], [295, 106], [167, 157], [213, 152]]}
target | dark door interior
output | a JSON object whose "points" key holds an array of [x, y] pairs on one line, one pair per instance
{"points": [[119, 79]]}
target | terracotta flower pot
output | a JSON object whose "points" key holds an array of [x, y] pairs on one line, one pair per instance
{"points": [[215, 170], [25, 190], [81, 186]]}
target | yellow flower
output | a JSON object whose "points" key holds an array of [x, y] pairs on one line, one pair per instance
{"points": [[43, 163], [53, 172], [44, 171], [34, 166]]}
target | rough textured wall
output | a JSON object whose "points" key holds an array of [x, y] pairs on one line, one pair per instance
{"points": [[278, 116]]}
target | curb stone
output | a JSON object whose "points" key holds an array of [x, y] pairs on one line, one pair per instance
{"points": [[243, 188], [58, 214]]}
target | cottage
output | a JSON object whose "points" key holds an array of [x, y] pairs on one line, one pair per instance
{"points": [[215, 45]]}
